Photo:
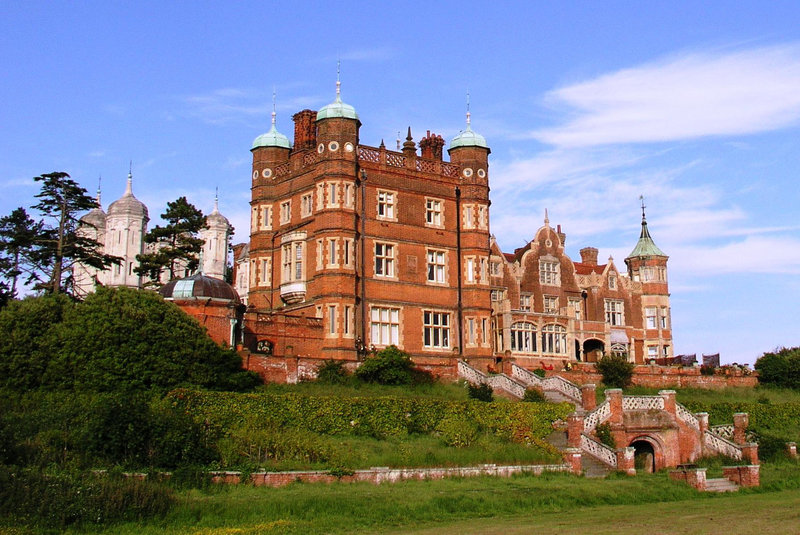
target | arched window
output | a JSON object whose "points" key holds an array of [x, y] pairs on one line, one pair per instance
{"points": [[523, 337], [554, 339]]}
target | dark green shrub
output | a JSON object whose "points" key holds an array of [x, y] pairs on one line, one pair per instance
{"points": [[481, 392], [534, 395], [539, 372], [603, 432], [390, 366], [780, 367], [770, 446], [457, 431], [617, 372], [707, 370], [332, 372], [31, 497], [176, 439], [118, 429]]}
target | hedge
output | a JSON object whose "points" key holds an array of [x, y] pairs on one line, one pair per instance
{"points": [[775, 417], [378, 417]]}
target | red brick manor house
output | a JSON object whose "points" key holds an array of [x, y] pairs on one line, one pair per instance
{"points": [[353, 248]]}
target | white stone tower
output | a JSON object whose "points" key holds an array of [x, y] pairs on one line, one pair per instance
{"points": [[215, 249], [93, 225], [126, 225]]}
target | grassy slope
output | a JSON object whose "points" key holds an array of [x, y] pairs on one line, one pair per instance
{"points": [[554, 503]]}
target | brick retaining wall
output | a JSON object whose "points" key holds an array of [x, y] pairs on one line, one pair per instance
{"points": [[662, 377]]}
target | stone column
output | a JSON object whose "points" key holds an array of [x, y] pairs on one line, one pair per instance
{"points": [[669, 400], [588, 398], [574, 430], [740, 423], [625, 460], [614, 398], [750, 452], [702, 419], [572, 457]]}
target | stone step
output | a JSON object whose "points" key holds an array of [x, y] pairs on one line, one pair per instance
{"points": [[591, 466], [557, 397], [721, 485]]}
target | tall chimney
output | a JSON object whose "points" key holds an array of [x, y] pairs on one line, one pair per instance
{"points": [[305, 130], [589, 256]]}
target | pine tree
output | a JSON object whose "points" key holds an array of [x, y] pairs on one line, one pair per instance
{"points": [[20, 247], [177, 243], [62, 199]]}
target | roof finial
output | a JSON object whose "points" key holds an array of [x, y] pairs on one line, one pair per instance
{"points": [[338, 81], [129, 187], [469, 115], [546, 218], [641, 198], [99, 181], [398, 140], [216, 199], [273, 106]]}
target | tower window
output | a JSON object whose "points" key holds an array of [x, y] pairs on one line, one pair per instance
{"points": [[384, 260], [386, 205]]}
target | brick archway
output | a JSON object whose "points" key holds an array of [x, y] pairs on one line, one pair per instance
{"points": [[644, 444]]}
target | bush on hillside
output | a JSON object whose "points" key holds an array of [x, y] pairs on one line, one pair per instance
{"points": [[780, 368], [389, 366], [332, 372], [480, 392], [24, 350], [617, 372], [119, 339], [534, 395]]}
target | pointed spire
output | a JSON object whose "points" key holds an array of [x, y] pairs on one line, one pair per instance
{"points": [[641, 198], [399, 145], [338, 80], [273, 108], [546, 218], [469, 115], [129, 187], [216, 201], [99, 182], [645, 247], [408, 136]]}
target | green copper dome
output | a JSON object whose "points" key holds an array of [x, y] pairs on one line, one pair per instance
{"points": [[468, 138], [273, 138], [337, 108], [646, 246]]}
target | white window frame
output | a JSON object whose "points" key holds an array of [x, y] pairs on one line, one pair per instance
{"points": [[549, 272], [651, 317], [550, 304], [526, 302], [614, 311], [307, 204], [523, 337], [436, 266], [384, 326], [554, 339], [384, 257], [332, 249], [292, 256], [436, 329], [434, 212], [386, 207], [286, 212]]}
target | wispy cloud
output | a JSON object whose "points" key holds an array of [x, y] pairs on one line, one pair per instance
{"points": [[235, 106], [686, 96]]}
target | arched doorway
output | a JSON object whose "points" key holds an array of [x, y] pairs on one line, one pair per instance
{"points": [[593, 349], [644, 456], [577, 350]]}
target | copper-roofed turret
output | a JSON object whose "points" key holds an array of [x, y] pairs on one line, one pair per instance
{"points": [[645, 247]]}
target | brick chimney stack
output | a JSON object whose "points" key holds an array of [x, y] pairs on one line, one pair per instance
{"points": [[305, 130], [432, 146], [589, 256], [561, 235]]}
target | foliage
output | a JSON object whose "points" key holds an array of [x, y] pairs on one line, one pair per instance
{"points": [[253, 444], [376, 417], [59, 500], [616, 370], [20, 248], [61, 245], [707, 370], [457, 432], [539, 372], [780, 368], [25, 344], [119, 339], [603, 432], [177, 243], [332, 372], [390, 366], [534, 395], [480, 392]]}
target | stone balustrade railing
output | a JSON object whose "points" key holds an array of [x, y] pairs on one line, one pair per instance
{"points": [[642, 403], [600, 414], [722, 446], [599, 451], [686, 416], [561, 385]]}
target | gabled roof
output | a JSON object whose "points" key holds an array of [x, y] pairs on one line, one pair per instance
{"points": [[586, 269]]}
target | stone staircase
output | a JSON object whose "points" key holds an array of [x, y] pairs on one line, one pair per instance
{"points": [[721, 485], [591, 467]]}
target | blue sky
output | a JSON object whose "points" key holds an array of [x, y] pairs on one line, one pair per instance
{"points": [[586, 105]]}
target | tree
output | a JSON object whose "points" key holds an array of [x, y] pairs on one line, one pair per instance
{"points": [[390, 366], [617, 372], [117, 340], [62, 199], [177, 242], [780, 367], [20, 245]]}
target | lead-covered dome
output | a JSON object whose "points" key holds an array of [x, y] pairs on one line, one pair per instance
{"points": [[199, 287], [128, 205], [337, 108]]}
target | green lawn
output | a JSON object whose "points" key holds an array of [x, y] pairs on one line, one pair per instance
{"points": [[552, 503]]}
